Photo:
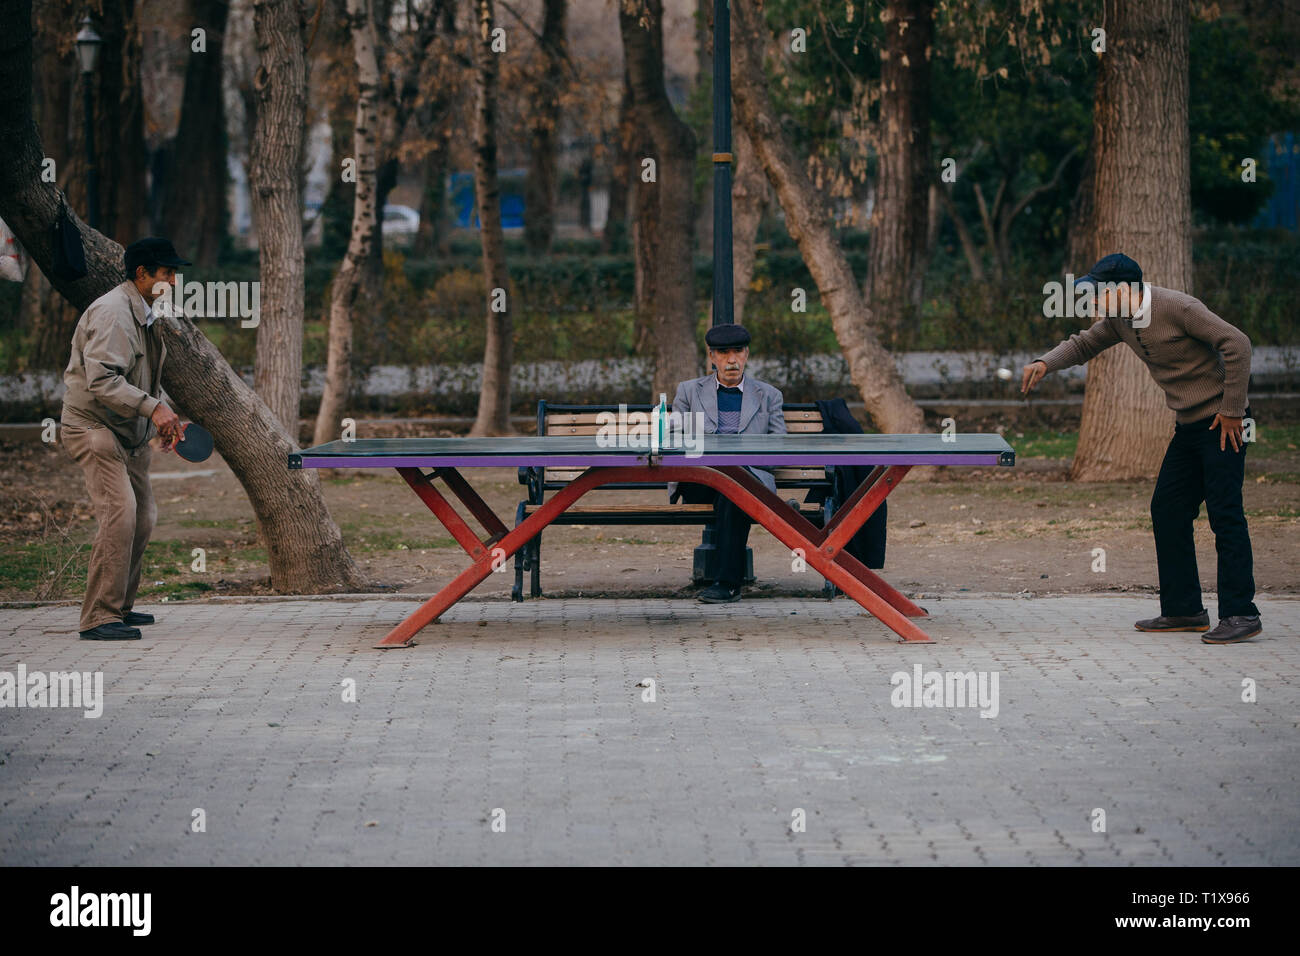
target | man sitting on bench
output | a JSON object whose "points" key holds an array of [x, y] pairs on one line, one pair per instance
{"points": [[733, 403]]}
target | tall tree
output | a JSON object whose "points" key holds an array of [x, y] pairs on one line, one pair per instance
{"points": [[498, 353], [280, 89], [900, 216], [621, 171], [544, 131], [353, 285], [304, 547], [1141, 206], [666, 246], [194, 181], [809, 221], [119, 124]]}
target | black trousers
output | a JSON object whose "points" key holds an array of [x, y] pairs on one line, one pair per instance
{"points": [[730, 530], [1195, 470]]}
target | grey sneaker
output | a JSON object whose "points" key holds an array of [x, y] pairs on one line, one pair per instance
{"points": [[1196, 622], [1233, 630]]}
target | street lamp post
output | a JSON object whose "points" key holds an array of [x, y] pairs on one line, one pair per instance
{"points": [[723, 288], [88, 44]]}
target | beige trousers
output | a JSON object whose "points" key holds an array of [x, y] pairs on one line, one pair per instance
{"points": [[118, 482]]}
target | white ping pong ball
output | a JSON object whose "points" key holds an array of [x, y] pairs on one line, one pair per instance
{"points": [[1005, 374]]}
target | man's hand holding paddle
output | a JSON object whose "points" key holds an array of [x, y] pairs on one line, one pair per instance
{"points": [[1033, 374], [170, 428]]}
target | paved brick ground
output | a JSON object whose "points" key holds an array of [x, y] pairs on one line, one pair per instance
{"points": [[761, 708]]}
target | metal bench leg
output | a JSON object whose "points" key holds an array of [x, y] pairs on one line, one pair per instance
{"points": [[517, 591], [535, 565]]}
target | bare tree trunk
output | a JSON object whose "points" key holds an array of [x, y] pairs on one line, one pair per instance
{"points": [[808, 219], [899, 218], [621, 183], [119, 125], [46, 317], [645, 227], [194, 185], [749, 198], [544, 133], [669, 250], [280, 87], [304, 547], [498, 353], [351, 288], [1142, 207]]}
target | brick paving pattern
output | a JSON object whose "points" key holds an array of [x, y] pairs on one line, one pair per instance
{"points": [[761, 708]]}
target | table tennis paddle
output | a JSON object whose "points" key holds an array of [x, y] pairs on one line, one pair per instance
{"points": [[196, 444]]}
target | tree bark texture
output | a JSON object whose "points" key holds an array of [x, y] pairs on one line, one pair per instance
{"points": [[544, 132], [276, 158], [1142, 207], [193, 213], [353, 287], [668, 248], [900, 217], [498, 353]]}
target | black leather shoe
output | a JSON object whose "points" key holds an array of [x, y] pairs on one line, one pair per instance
{"points": [[1195, 622], [137, 618], [112, 631], [720, 594], [1233, 630]]}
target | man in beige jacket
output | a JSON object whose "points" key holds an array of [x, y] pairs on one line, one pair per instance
{"points": [[111, 410]]}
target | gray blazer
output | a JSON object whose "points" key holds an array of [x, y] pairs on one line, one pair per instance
{"points": [[760, 413]]}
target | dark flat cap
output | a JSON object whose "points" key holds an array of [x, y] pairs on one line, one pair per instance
{"points": [[1115, 267], [729, 336]]}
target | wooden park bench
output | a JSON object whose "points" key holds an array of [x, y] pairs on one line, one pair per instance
{"points": [[555, 419]]}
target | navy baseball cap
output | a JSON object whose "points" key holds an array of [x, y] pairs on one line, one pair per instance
{"points": [[1115, 267], [151, 252], [727, 336]]}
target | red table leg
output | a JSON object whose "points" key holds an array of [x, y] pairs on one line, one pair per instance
{"points": [[822, 549]]}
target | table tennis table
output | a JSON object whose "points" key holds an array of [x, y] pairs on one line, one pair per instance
{"points": [[717, 461]]}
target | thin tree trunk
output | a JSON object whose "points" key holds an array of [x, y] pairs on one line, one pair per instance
{"points": [[899, 218], [1142, 207], [193, 212], [669, 250], [544, 133], [46, 317], [621, 183], [280, 88], [119, 125], [304, 546], [749, 198], [351, 287], [498, 353], [808, 219]]}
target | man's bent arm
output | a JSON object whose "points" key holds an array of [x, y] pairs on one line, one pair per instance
{"points": [[1081, 346]]}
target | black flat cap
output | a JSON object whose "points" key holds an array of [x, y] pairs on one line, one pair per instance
{"points": [[729, 336], [151, 252], [1115, 267]]}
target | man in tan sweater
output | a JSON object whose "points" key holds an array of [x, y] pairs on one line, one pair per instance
{"points": [[110, 411], [1203, 365]]}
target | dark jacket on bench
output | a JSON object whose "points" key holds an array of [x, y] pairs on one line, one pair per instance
{"points": [[760, 414]]}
